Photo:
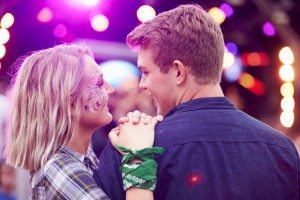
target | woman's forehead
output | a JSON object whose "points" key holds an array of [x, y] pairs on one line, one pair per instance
{"points": [[91, 68]]}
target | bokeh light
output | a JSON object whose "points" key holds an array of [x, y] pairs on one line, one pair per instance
{"points": [[117, 72], [87, 3], [287, 103], [255, 59], [45, 15], [228, 59], [7, 20], [287, 118], [233, 73], [2, 51], [254, 85], [217, 14], [232, 47], [247, 80], [227, 9], [60, 31], [287, 89], [99, 23], [193, 179], [286, 56], [286, 73], [268, 29], [145, 13], [4, 35]]}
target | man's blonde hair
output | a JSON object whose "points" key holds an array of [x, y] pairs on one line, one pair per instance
{"points": [[187, 33], [44, 97]]}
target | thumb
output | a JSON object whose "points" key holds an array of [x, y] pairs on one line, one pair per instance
{"points": [[156, 119], [159, 118], [113, 136]]}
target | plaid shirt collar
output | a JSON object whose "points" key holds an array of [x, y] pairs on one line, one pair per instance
{"points": [[89, 159]]}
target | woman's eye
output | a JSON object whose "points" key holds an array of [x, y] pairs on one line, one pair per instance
{"points": [[99, 83]]}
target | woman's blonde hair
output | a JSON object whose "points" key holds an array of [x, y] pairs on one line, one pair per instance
{"points": [[44, 96]]}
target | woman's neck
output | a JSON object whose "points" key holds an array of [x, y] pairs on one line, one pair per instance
{"points": [[82, 141]]}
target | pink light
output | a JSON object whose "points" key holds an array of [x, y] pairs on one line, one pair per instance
{"points": [[227, 9], [193, 179], [87, 3], [268, 29], [60, 31], [45, 15]]}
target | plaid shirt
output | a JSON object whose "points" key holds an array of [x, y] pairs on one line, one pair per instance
{"points": [[67, 175]]}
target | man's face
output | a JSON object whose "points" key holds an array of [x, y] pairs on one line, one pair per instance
{"points": [[159, 84]]}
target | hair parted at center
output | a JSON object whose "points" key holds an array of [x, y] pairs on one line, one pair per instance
{"points": [[188, 34], [43, 96]]}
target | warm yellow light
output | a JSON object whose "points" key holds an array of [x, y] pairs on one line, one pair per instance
{"points": [[286, 56], [286, 73], [287, 89], [45, 15], [228, 59], [246, 80], [145, 13], [287, 104], [7, 20], [2, 51], [287, 118], [4, 35], [99, 23], [217, 14]]}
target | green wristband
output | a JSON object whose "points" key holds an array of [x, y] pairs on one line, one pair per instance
{"points": [[141, 175]]}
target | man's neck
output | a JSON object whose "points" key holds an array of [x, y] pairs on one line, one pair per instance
{"points": [[200, 91]]}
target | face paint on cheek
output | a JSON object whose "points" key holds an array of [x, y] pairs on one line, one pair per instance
{"points": [[94, 98]]}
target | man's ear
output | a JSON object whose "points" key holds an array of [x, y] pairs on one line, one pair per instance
{"points": [[181, 71]]}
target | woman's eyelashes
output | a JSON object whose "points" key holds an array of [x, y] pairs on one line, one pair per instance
{"points": [[99, 83]]}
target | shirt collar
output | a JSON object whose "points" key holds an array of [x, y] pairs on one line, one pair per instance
{"points": [[202, 104], [90, 154]]}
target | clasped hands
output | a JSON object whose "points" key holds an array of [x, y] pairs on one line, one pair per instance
{"points": [[135, 131]]}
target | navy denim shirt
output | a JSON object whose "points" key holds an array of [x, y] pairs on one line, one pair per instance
{"points": [[214, 151]]}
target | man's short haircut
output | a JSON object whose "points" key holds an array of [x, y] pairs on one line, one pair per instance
{"points": [[188, 34]]}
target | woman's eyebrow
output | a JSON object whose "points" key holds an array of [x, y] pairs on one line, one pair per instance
{"points": [[97, 75]]}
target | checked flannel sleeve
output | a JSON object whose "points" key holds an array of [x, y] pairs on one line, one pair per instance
{"points": [[67, 178]]}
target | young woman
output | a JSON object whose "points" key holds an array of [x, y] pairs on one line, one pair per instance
{"points": [[58, 98]]}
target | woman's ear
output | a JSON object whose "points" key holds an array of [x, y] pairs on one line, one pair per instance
{"points": [[180, 71]]}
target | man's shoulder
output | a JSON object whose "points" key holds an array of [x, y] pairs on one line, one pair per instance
{"points": [[228, 126]]}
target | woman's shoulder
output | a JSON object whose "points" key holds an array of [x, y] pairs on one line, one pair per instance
{"points": [[62, 163]]}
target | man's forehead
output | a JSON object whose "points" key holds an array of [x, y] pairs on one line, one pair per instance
{"points": [[145, 59]]}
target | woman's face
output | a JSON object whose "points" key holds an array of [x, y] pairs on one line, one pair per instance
{"points": [[95, 92]]}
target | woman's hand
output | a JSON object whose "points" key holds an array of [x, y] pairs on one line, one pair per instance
{"points": [[136, 131]]}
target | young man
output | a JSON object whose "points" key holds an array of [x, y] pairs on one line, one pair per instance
{"points": [[213, 150]]}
